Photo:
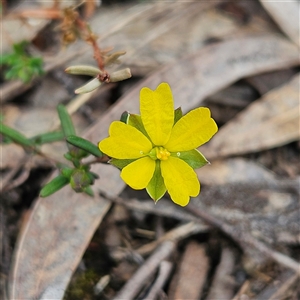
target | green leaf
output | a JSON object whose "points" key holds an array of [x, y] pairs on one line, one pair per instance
{"points": [[88, 190], [48, 137], [54, 185], [85, 145], [76, 162], [80, 180], [20, 65], [120, 163], [193, 158], [96, 176], [65, 120], [156, 187], [177, 115], [15, 135], [68, 156], [77, 153], [124, 117], [92, 177], [136, 121], [66, 172]]}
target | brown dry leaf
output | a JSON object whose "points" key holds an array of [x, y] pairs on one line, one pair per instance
{"points": [[11, 155], [269, 122], [189, 280], [232, 171], [265, 82], [60, 227], [286, 15], [270, 214], [32, 121], [51, 243]]}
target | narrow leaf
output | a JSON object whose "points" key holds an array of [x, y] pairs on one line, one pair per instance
{"points": [[124, 117], [88, 190], [66, 172], [54, 185], [136, 121], [85, 145], [156, 187], [120, 163], [48, 137], [193, 158], [177, 114], [120, 75], [89, 87], [83, 70], [15, 135], [66, 122], [68, 156]]}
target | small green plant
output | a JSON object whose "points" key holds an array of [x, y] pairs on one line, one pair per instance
{"points": [[21, 65], [79, 175]]}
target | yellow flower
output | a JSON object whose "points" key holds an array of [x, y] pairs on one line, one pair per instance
{"points": [[157, 149]]}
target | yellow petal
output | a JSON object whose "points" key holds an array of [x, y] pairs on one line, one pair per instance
{"points": [[192, 130], [125, 142], [180, 180], [139, 173], [157, 112]]}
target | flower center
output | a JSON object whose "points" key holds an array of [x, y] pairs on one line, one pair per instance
{"points": [[159, 153]]}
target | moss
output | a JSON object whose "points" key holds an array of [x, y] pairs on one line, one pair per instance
{"points": [[82, 286]]}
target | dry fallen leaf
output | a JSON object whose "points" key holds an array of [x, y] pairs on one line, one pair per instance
{"points": [[11, 155], [269, 122], [188, 281], [233, 170], [286, 15]]}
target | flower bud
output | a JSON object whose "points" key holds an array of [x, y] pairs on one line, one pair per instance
{"points": [[77, 152], [83, 70], [79, 180], [89, 87], [120, 75]]}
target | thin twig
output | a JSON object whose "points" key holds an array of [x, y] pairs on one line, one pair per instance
{"points": [[244, 239], [223, 283], [135, 283], [19, 180], [179, 233], [163, 274], [243, 289], [164, 207]]}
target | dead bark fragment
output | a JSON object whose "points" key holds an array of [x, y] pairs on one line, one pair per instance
{"points": [[223, 284], [189, 280]]}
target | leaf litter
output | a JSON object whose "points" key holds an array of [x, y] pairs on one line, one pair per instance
{"points": [[250, 196]]}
